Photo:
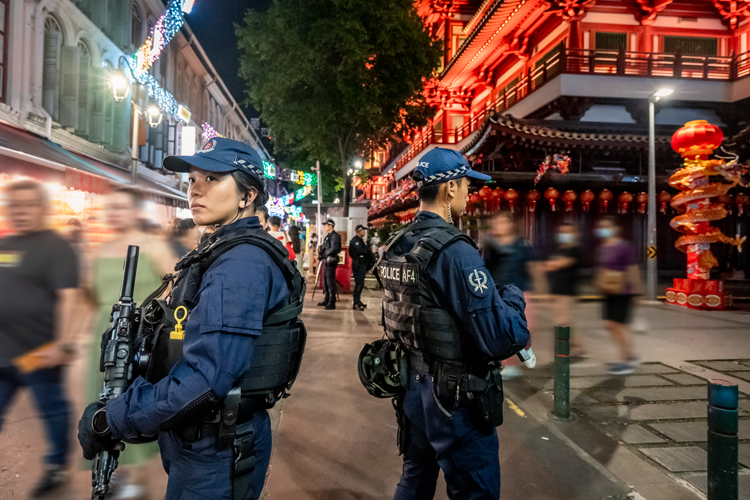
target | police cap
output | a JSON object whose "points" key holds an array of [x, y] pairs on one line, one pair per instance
{"points": [[442, 165]]}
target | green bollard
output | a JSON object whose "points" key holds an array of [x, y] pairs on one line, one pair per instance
{"points": [[723, 445], [562, 375]]}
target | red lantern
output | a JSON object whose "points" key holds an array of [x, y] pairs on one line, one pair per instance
{"points": [[586, 198], [552, 195], [497, 198], [604, 198], [697, 138], [664, 198], [727, 201], [642, 200], [485, 193], [531, 198], [511, 196], [623, 202], [569, 197], [742, 200]]}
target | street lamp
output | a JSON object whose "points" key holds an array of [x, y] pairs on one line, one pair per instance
{"points": [[119, 85], [358, 164], [651, 232], [154, 116]]}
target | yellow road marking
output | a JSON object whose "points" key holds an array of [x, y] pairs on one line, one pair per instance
{"points": [[513, 406]]}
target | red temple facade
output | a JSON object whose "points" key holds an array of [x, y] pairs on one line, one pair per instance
{"points": [[525, 80]]}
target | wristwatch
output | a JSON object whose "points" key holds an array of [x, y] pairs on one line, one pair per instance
{"points": [[99, 422]]}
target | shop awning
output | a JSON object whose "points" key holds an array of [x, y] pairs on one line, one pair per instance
{"points": [[24, 153]]}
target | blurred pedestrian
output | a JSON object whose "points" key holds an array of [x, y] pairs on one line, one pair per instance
{"points": [[274, 230], [375, 246], [40, 279], [123, 210], [563, 270], [186, 237], [361, 262], [262, 213], [329, 258], [511, 260], [312, 254], [298, 246], [619, 280]]}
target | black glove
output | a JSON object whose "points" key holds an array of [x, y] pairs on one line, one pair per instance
{"points": [[93, 432]]}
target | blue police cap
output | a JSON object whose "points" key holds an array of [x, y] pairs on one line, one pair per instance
{"points": [[442, 165], [220, 155]]}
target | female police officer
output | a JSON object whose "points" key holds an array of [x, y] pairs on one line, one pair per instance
{"points": [[441, 305], [246, 287]]}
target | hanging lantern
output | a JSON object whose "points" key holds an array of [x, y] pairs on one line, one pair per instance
{"points": [[697, 138], [664, 198], [552, 195], [642, 200], [586, 198], [623, 202], [727, 201], [569, 197], [743, 201], [511, 196], [604, 198], [531, 198], [497, 198], [474, 201], [485, 193]]}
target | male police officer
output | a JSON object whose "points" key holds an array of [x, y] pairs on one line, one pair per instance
{"points": [[441, 304], [361, 262], [329, 258], [243, 297]]}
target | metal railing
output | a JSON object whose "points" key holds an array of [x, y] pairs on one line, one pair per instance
{"points": [[582, 62]]}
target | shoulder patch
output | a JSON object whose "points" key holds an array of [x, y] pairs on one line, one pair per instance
{"points": [[477, 279]]}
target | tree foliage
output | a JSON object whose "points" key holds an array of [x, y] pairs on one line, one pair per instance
{"points": [[330, 76]]}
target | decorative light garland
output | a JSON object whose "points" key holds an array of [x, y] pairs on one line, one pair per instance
{"points": [[165, 29], [209, 132]]}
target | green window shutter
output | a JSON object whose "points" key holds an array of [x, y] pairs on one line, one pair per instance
{"points": [[691, 45], [120, 126], [83, 96], [51, 76], [120, 20], [70, 60], [100, 14], [109, 107], [610, 41], [98, 88]]}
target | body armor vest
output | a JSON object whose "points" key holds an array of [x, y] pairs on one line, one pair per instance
{"points": [[278, 350], [411, 311]]}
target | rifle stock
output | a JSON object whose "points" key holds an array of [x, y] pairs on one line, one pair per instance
{"points": [[118, 357]]}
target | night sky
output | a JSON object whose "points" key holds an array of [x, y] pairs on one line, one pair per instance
{"points": [[213, 21]]}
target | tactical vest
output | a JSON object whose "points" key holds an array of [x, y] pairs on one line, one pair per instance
{"points": [[411, 311], [278, 350]]}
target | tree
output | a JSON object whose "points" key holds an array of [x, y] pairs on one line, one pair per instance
{"points": [[332, 75]]}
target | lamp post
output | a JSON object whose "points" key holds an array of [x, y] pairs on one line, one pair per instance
{"points": [[316, 169], [651, 236]]}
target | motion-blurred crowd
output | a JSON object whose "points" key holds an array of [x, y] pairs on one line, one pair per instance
{"points": [[57, 294]]}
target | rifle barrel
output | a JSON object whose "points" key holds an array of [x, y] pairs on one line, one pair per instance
{"points": [[128, 282]]}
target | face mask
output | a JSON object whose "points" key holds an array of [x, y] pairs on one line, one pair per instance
{"points": [[604, 232], [565, 238]]}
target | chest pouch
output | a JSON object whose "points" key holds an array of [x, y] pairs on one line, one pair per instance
{"points": [[167, 340]]}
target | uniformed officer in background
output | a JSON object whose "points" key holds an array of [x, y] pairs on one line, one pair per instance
{"points": [[441, 304], [243, 295], [361, 262], [329, 258]]}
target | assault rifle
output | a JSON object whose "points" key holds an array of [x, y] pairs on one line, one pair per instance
{"points": [[119, 360]]}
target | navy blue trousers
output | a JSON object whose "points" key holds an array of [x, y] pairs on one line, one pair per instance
{"points": [[329, 283], [202, 470], [468, 458], [47, 388], [359, 272]]}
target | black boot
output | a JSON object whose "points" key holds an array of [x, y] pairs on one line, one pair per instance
{"points": [[322, 304], [332, 305], [54, 477]]}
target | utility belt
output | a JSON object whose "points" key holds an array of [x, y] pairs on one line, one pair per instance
{"points": [[222, 423], [460, 385]]}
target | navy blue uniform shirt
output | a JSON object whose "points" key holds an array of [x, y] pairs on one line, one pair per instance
{"points": [[464, 287], [239, 289]]}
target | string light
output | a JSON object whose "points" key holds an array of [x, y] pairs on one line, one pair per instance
{"points": [[209, 132], [165, 29]]}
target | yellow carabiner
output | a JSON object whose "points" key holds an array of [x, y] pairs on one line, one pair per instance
{"points": [[178, 333]]}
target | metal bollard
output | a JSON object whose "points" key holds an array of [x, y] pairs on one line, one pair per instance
{"points": [[723, 446], [562, 375]]}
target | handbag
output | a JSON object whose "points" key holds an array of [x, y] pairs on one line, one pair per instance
{"points": [[610, 282]]}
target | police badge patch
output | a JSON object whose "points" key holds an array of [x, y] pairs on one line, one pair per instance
{"points": [[478, 281], [208, 147]]}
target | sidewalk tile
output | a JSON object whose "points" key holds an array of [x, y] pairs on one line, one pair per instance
{"points": [[744, 456], [612, 381], [686, 379], [678, 459], [632, 434], [650, 394], [700, 481], [720, 366], [578, 397], [743, 375], [645, 412], [583, 370]]}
